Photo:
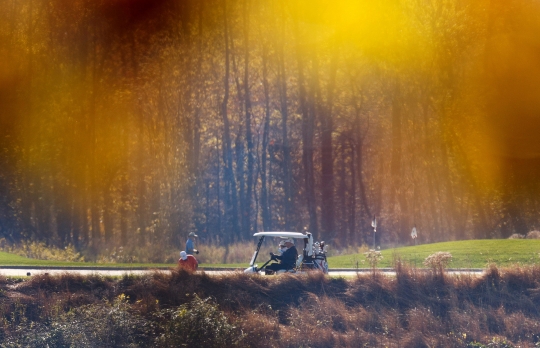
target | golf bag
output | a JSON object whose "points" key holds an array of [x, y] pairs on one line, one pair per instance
{"points": [[314, 256]]}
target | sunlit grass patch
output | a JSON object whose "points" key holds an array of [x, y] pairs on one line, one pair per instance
{"points": [[465, 254]]}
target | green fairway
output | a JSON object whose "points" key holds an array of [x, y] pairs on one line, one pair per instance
{"points": [[465, 254]]}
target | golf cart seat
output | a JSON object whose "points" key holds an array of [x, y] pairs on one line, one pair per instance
{"points": [[281, 271], [312, 257]]}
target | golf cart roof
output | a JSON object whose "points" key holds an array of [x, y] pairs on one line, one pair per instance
{"points": [[281, 234]]}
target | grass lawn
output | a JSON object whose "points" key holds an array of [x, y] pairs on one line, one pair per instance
{"points": [[7, 259], [465, 254]]}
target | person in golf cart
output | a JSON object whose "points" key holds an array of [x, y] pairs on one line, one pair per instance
{"points": [[287, 260]]}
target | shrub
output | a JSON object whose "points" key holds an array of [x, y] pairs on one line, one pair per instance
{"points": [[158, 253], [516, 236], [413, 309], [533, 235], [97, 325], [198, 323], [39, 250], [373, 257], [438, 261]]}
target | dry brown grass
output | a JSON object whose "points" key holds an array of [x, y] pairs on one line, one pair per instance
{"points": [[211, 252], [533, 235], [240, 252], [414, 309]]}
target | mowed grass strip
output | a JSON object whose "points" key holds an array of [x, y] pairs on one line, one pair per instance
{"points": [[465, 254], [7, 259]]}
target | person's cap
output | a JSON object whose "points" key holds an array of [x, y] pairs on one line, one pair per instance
{"points": [[192, 234], [289, 240], [183, 255]]}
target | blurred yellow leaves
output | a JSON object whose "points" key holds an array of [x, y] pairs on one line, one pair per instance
{"points": [[377, 28]]}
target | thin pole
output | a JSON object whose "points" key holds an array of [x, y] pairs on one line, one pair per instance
{"points": [[374, 225]]}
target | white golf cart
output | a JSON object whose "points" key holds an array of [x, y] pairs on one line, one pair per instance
{"points": [[311, 257]]}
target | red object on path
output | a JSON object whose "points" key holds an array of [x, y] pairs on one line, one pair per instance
{"points": [[188, 262]]}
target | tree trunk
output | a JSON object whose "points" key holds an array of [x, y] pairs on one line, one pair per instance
{"points": [[342, 216], [308, 125], [93, 194], [397, 193], [107, 213], [229, 174], [265, 208], [247, 225], [352, 237], [124, 191], [327, 156], [357, 165]]}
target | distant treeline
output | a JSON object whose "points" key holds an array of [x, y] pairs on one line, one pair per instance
{"points": [[126, 121]]}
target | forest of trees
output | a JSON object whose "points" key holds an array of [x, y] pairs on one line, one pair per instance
{"points": [[137, 121]]}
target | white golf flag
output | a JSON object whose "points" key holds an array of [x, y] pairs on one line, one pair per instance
{"points": [[413, 233]]}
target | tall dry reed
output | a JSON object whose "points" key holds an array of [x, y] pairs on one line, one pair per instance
{"points": [[416, 308]]}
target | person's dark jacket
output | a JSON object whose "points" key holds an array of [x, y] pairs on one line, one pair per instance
{"points": [[288, 258]]}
